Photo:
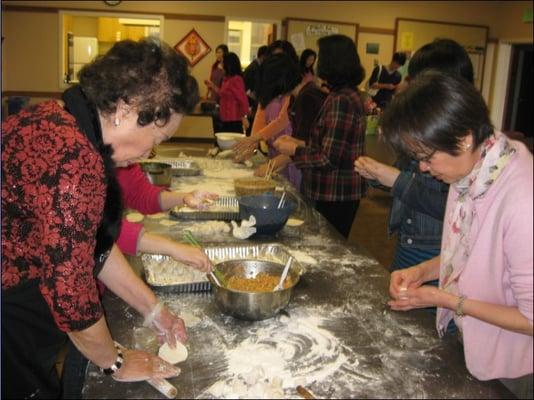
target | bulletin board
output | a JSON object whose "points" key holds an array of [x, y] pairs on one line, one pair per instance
{"points": [[411, 34], [304, 33]]}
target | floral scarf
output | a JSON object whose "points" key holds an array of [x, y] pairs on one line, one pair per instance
{"points": [[455, 250]]}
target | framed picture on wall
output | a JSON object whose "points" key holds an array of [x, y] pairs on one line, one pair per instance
{"points": [[192, 47]]}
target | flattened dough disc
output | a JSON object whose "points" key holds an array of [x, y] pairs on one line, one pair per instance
{"points": [[173, 356]]}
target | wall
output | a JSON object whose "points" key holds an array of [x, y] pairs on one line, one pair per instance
{"points": [[31, 38]]}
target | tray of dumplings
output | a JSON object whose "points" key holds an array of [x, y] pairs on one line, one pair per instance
{"points": [[166, 274], [184, 167], [225, 208]]}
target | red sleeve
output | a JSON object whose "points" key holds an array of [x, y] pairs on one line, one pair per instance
{"points": [[128, 237], [137, 192], [241, 96]]}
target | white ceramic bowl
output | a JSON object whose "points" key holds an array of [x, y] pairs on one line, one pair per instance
{"points": [[226, 140]]}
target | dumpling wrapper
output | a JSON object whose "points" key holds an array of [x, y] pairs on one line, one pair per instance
{"points": [[294, 222], [134, 217], [173, 356]]}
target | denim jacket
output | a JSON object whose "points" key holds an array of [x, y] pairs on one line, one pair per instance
{"points": [[418, 208]]}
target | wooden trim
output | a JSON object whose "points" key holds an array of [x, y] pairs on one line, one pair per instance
{"points": [[379, 31], [54, 95], [319, 20], [195, 17], [441, 22]]}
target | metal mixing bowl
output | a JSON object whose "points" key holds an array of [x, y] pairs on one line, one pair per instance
{"points": [[158, 173], [253, 306]]}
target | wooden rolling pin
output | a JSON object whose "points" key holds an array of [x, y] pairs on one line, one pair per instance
{"points": [[304, 393], [162, 385]]}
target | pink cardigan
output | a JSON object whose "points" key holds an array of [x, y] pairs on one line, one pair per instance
{"points": [[499, 270], [137, 193]]}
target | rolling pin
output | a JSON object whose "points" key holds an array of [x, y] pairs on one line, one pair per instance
{"points": [[162, 385]]}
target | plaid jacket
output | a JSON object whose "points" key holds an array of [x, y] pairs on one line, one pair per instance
{"points": [[336, 140]]}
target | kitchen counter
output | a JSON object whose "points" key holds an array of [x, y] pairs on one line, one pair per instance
{"points": [[337, 337]]}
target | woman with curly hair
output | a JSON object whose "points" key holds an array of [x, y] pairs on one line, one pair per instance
{"points": [[61, 212]]}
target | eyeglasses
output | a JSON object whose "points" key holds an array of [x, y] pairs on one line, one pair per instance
{"points": [[424, 158]]}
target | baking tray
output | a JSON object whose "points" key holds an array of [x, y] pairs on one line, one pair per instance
{"points": [[196, 282], [226, 201], [268, 252], [184, 167]]}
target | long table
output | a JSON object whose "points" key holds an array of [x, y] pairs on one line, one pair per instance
{"points": [[337, 338]]}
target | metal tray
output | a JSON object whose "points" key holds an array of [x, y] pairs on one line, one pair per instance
{"points": [[199, 283], [268, 252], [181, 167], [227, 202]]}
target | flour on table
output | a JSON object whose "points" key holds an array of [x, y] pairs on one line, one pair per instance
{"points": [[209, 228], [190, 319], [173, 356], [134, 217]]}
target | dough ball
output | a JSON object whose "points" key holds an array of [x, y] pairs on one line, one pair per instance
{"points": [[294, 222], [167, 222], [134, 217], [173, 356]]}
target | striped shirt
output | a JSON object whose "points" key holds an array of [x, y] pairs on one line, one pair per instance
{"points": [[336, 140]]}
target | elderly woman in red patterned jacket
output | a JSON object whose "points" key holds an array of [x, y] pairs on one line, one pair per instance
{"points": [[61, 214]]}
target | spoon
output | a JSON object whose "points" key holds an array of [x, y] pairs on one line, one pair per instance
{"points": [[280, 285]]}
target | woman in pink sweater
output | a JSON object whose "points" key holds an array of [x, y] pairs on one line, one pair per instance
{"points": [[485, 269], [138, 193]]}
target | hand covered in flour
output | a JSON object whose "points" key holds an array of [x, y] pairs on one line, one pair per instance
{"points": [[141, 366], [423, 296], [168, 327], [192, 256], [199, 199], [244, 148], [287, 145]]}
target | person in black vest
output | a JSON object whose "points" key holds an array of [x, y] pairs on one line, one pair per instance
{"points": [[385, 78]]}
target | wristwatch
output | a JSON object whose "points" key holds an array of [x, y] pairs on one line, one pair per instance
{"points": [[116, 365], [460, 307]]}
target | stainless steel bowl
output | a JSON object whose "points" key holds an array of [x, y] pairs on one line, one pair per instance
{"points": [[158, 173], [248, 305]]}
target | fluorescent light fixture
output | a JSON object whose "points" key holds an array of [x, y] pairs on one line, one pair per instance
{"points": [[139, 21]]}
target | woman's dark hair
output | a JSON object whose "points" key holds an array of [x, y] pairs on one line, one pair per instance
{"points": [[148, 74], [339, 64], [278, 75], [232, 64], [286, 48], [303, 57], [399, 58], [444, 55], [435, 112], [225, 51]]}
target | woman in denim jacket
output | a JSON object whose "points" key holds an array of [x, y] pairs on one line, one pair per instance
{"points": [[418, 198]]}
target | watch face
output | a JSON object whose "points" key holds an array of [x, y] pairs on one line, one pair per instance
{"points": [[112, 2]]}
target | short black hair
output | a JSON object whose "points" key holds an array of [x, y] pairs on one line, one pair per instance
{"points": [[148, 74], [444, 55], [262, 51], [435, 112], [339, 63], [399, 58], [303, 57], [278, 75], [286, 47], [232, 64]]}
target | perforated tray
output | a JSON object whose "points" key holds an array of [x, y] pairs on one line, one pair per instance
{"points": [[226, 202]]}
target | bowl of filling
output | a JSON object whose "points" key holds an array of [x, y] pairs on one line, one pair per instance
{"points": [[247, 288], [225, 140]]}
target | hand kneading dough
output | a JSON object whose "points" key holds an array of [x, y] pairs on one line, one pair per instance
{"points": [[173, 356]]}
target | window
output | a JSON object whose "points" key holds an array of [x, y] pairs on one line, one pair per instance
{"points": [[85, 35], [244, 37]]}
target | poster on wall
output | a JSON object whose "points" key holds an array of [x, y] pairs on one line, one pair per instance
{"points": [[192, 47]]}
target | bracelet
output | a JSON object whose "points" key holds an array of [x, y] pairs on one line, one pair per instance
{"points": [[150, 317], [116, 365], [460, 307]]}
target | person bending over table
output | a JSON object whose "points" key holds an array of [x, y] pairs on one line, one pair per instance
{"points": [[61, 212], [485, 268]]}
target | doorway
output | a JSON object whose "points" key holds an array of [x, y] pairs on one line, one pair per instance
{"points": [[518, 109]]}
